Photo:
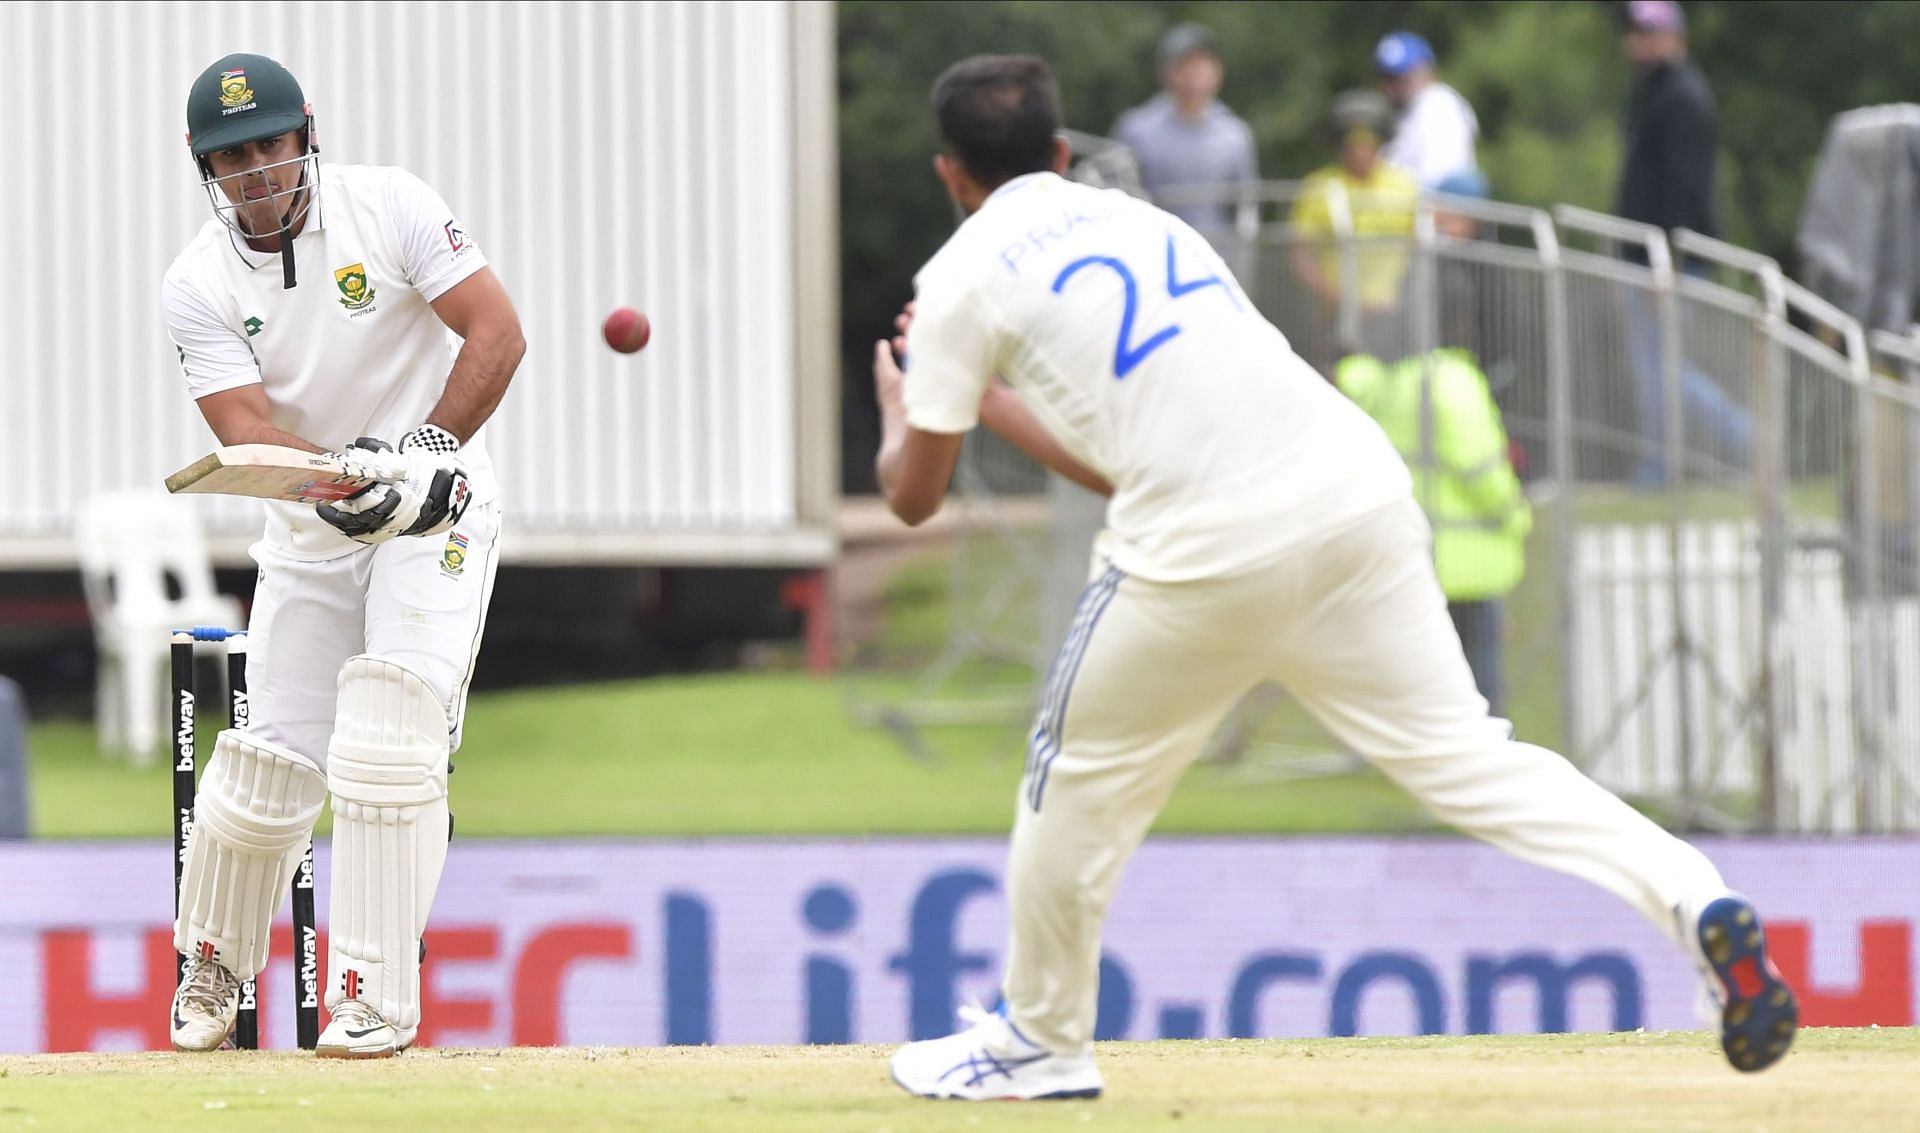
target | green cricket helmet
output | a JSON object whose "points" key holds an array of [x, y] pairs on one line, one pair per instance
{"points": [[246, 98], [240, 99]]}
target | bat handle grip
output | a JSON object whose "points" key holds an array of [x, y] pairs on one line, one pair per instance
{"points": [[384, 467], [389, 467]]}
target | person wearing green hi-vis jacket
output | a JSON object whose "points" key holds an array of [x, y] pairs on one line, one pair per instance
{"points": [[1440, 415]]}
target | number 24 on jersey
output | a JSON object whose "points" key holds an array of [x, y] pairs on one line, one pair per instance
{"points": [[1127, 351]]}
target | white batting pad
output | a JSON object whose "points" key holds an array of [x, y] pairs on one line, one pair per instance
{"points": [[387, 769], [255, 808]]}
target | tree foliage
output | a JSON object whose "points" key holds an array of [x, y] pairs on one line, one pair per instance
{"points": [[1547, 80]]}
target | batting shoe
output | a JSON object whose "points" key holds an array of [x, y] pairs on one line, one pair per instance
{"points": [[992, 1061], [1758, 1012], [205, 1005], [358, 1031]]}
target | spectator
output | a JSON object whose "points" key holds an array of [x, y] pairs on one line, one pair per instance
{"points": [[1667, 180], [1478, 310], [1464, 481], [1438, 410], [1379, 199], [1184, 135], [1469, 182], [1434, 137]]}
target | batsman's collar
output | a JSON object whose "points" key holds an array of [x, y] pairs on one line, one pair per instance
{"points": [[316, 220]]}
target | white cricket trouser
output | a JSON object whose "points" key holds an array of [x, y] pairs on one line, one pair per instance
{"points": [[1356, 627], [418, 600]]}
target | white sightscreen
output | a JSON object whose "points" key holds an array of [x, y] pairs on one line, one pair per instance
{"points": [[601, 154]]}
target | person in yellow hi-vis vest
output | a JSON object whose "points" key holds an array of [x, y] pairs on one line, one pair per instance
{"points": [[1440, 415], [1380, 200]]}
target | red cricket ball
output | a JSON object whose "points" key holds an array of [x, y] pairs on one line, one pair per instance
{"points": [[627, 330]]}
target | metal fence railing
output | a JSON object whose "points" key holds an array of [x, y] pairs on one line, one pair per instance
{"points": [[1720, 613]]}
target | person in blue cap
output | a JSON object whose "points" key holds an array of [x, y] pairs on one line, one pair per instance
{"points": [[1435, 135]]}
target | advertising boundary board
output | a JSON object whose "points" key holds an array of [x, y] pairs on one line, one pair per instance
{"points": [[636, 942]]}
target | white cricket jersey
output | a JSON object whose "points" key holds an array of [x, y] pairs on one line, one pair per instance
{"points": [[1133, 344], [354, 350]]}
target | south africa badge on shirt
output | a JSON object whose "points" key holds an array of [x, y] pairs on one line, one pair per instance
{"points": [[453, 559], [355, 292]]}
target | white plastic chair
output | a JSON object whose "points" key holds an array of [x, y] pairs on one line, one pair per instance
{"points": [[131, 544]]}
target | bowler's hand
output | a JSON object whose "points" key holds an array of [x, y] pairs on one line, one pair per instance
{"points": [[901, 322], [887, 381]]}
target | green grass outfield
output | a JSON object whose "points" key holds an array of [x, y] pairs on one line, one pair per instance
{"points": [[1843, 1081], [745, 753]]}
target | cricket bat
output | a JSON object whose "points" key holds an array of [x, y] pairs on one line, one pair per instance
{"points": [[274, 472]]}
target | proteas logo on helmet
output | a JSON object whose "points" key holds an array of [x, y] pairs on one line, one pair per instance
{"points": [[235, 93], [355, 293]]}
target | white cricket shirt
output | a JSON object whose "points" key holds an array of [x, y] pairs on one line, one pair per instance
{"points": [[354, 350], [1134, 345]]}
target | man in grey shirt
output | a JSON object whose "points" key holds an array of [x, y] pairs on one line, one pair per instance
{"points": [[1184, 135]]}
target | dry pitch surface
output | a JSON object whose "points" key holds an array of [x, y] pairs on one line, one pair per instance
{"points": [[1837, 1080]]}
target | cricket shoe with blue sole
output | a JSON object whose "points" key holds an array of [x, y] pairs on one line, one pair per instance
{"points": [[992, 1061], [1758, 1011]]}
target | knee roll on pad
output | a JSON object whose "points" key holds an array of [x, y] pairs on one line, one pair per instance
{"points": [[387, 769], [254, 810]]}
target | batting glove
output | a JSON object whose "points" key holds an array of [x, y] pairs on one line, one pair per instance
{"points": [[431, 497]]}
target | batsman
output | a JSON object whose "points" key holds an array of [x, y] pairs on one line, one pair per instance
{"points": [[336, 309]]}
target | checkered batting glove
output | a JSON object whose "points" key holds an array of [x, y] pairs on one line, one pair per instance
{"points": [[430, 438], [435, 451], [431, 498]]}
